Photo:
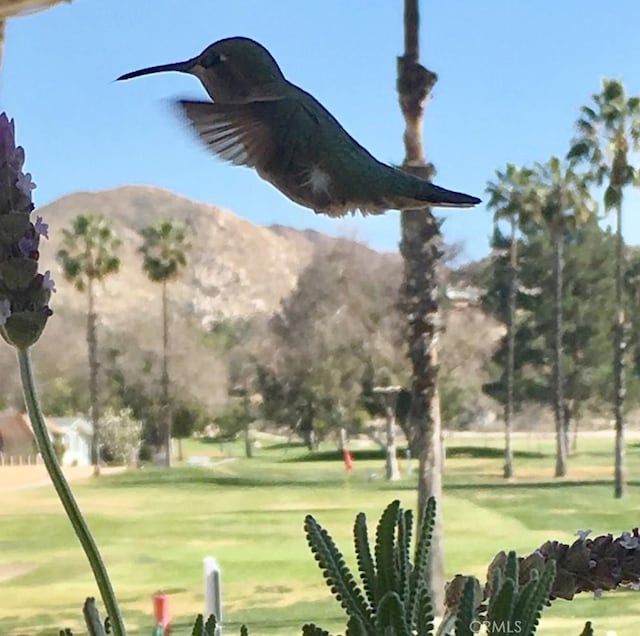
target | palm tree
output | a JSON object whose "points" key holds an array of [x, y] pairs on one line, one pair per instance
{"points": [[164, 251], [88, 255], [562, 202], [420, 247], [508, 196], [608, 131]]}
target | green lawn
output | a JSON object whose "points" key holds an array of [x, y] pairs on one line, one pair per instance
{"points": [[155, 526]]}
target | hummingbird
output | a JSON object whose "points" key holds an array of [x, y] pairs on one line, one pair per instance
{"points": [[261, 120]]}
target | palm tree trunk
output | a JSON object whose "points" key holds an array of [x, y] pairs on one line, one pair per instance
{"points": [[421, 249], [92, 346], [166, 405], [618, 364], [558, 376], [511, 352]]}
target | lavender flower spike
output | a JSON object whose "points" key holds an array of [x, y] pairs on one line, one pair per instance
{"points": [[24, 293]]}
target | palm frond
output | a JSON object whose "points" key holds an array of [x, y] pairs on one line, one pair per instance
{"points": [[612, 197], [581, 150], [589, 113]]}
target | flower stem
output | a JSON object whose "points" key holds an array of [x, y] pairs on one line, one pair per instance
{"points": [[66, 496]]}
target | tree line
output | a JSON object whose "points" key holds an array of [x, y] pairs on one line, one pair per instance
{"points": [[563, 286]]}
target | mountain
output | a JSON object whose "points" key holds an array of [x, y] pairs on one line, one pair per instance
{"points": [[235, 268]]}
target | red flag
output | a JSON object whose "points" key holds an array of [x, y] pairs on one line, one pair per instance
{"points": [[348, 460], [161, 612]]}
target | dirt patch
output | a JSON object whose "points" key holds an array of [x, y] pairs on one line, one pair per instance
{"points": [[23, 477], [9, 571]]}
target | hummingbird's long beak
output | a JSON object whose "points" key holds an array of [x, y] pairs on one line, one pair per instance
{"points": [[180, 67]]}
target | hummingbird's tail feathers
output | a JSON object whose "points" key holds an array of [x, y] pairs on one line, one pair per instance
{"points": [[232, 131], [443, 198]]}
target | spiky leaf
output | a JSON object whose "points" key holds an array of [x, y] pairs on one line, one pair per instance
{"points": [[204, 628], [386, 566], [526, 595], [418, 576], [391, 616], [511, 567], [403, 553], [531, 613], [309, 629], [355, 627], [588, 629], [422, 622], [366, 567], [210, 626], [336, 572], [466, 614], [198, 626], [502, 602]]}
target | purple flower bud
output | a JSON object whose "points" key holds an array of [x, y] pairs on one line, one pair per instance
{"points": [[41, 227], [5, 311], [28, 246], [25, 184], [48, 282], [16, 160]]}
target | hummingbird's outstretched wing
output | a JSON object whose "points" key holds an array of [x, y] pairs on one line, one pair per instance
{"points": [[263, 135], [235, 132]]}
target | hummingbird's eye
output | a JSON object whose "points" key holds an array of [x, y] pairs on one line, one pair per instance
{"points": [[213, 58]]}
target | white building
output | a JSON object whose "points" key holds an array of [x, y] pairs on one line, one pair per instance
{"points": [[76, 433]]}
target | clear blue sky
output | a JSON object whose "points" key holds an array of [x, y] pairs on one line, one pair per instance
{"points": [[512, 77]]}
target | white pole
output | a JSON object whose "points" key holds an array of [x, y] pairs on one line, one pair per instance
{"points": [[212, 590]]}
